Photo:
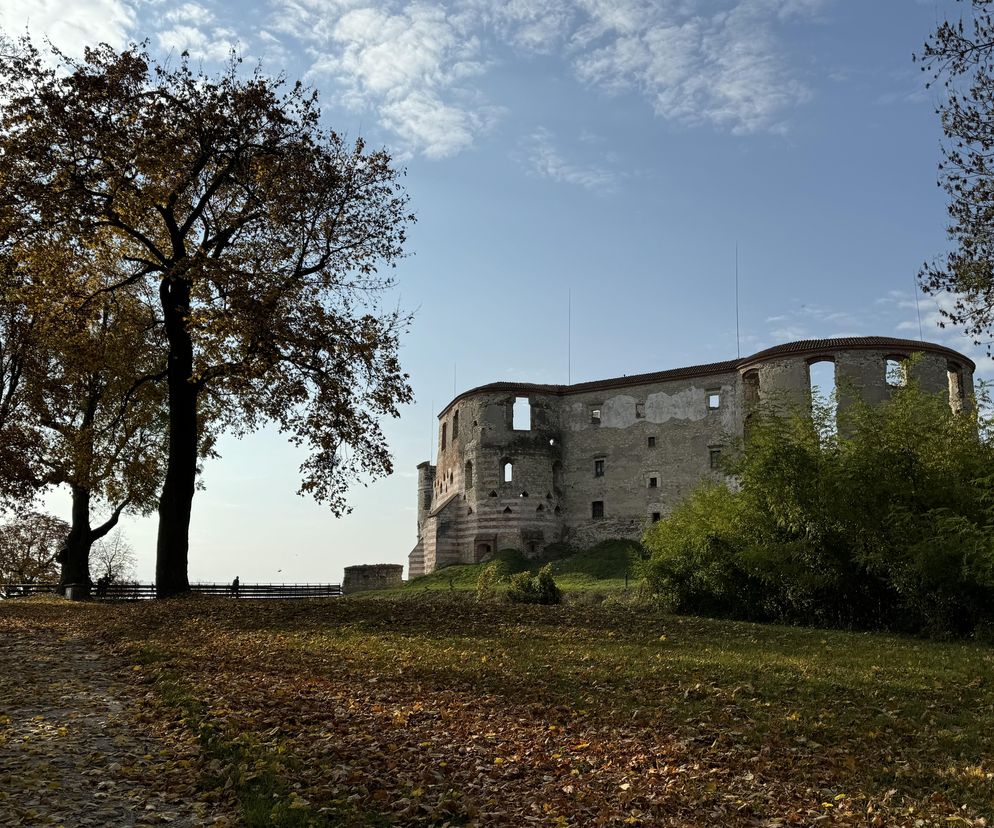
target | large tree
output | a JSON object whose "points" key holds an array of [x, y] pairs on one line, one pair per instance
{"points": [[960, 55], [29, 548], [86, 401], [261, 232]]}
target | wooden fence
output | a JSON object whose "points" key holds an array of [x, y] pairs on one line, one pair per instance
{"points": [[144, 592]]}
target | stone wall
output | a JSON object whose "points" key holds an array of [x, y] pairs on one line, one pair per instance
{"points": [[605, 459], [364, 577]]}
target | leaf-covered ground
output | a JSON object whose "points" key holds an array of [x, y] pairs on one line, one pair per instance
{"points": [[440, 710]]}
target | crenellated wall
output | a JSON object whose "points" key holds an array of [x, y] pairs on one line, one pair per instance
{"points": [[634, 445]]}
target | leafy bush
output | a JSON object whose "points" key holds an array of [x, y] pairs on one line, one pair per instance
{"points": [[526, 588], [486, 583], [887, 522]]}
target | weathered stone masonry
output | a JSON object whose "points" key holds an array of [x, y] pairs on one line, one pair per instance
{"points": [[603, 459]]}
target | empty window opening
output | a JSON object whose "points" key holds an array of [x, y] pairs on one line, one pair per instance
{"points": [[653, 482], [824, 399], [455, 425], [521, 417], [507, 471], [469, 511], [639, 410], [957, 386], [714, 457], [655, 517], [714, 399], [598, 468], [896, 372], [524, 494], [597, 509], [443, 436], [507, 510], [557, 510], [469, 474], [493, 494], [548, 495], [532, 548], [540, 508], [595, 416], [652, 442]]}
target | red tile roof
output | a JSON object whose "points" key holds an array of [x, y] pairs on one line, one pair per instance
{"points": [[809, 347]]}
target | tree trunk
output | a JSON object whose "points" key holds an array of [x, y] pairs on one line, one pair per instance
{"points": [[173, 544], [75, 555]]}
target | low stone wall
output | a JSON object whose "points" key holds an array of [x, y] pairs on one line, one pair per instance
{"points": [[363, 577]]}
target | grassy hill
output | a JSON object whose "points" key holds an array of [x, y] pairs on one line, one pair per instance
{"points": [[602, 567]]}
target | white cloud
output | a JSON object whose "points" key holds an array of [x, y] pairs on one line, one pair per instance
{"points": [[70, 24], [545, 160], [193, 32], [726, 68]]}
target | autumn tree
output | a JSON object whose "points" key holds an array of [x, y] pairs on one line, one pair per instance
{"points": [[112, 557], [261, 232], [960, 55], [29, 548]]}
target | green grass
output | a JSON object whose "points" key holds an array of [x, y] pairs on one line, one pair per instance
{"points": [[602, 567]]}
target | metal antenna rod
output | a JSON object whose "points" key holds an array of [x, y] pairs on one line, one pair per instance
{"points": [[918, 310], [738, 346], [569, 337]]}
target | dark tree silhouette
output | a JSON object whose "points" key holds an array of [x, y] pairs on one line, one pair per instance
{"points": [[260, 232]]}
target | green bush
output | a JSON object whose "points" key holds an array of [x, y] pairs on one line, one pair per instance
{"points": [[486, 583], [887, 522], [526, 588]]}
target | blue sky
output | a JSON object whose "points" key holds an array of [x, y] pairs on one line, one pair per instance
{"points": [[611, 152]]}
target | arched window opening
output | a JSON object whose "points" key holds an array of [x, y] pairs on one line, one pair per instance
{"points": [[824, 403], [521, 414], [443, 436], [524, 494], [896, 372], [506, 471], [507, 510], [957, 386], [540, 508], [455, 425], [493, 494], [469, 474]]}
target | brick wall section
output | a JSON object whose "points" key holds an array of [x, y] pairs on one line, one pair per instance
{"points": [[466, 511]]}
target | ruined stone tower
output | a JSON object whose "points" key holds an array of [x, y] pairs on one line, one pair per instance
{"points": [[523, 466]]}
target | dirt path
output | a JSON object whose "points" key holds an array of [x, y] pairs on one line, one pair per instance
{"points": [[74, 750]]}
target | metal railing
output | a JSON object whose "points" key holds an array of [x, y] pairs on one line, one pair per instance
{"points": [[144, 592]]}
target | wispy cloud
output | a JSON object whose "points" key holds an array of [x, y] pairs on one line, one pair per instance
{"points": [[71, 24], [544, 159], [192, 28]]}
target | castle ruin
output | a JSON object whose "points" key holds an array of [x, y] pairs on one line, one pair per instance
{"points": [[523, 466]]}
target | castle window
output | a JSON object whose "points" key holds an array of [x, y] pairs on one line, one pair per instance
{"points": [[521, 414], [896, 372], [595, 416], [455, 425], [597, 509], [957, 386], [507, 510], [653, 482], [714, 399], [443, 436], [557, 510], [540, 508], [524, 494], [598, 468], [652, 441], [714, 457], [492, 494], [469, 511], [655, 517], [639, 410], [506, 471], [469, 474]]}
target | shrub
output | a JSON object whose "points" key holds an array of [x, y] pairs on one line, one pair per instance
{"points": [[886, 522], [526, 588], [486, 583]]}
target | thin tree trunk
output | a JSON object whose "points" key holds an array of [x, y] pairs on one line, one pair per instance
{"points": [[75, 555], [176, 502]]}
